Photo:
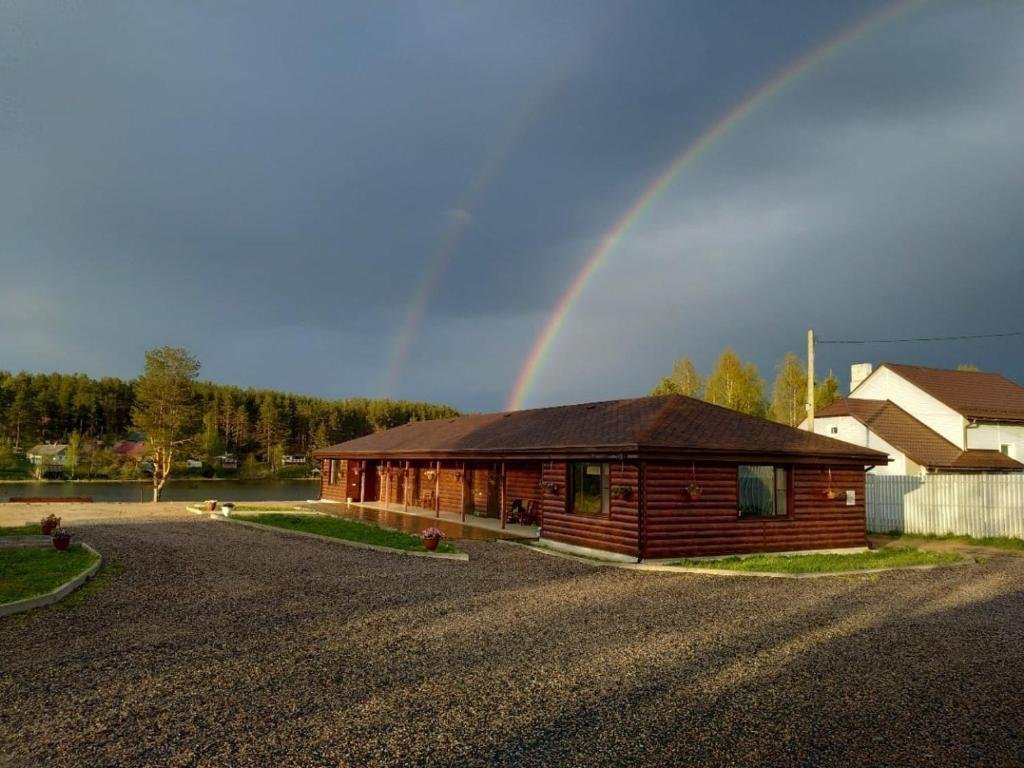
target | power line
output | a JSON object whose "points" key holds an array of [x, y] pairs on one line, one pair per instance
{"points": [[925, 338]]}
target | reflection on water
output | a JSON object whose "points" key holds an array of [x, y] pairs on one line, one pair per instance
{"points": [[412, 523], [175, 490]]}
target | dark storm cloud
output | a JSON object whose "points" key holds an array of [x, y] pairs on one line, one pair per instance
{"points": [[268, 184]]}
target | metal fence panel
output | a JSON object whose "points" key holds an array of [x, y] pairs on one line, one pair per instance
{"points": [[971, 505]]}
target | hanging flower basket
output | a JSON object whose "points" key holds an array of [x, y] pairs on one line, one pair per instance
{"points": [[830, 493], [694, 492], [622, 492], [429, 474], [549, 486]]}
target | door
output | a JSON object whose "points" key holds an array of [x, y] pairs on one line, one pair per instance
{"points": [[353, 477]]}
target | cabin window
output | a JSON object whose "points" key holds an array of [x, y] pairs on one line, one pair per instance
{"points": [[589, 488], [763, 490]]}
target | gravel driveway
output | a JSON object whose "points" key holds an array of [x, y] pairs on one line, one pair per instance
{"points": [[220, 645]]}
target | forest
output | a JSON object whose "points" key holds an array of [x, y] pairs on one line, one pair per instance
{"points": [[252, 423]]}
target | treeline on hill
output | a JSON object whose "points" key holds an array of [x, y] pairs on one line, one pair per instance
{"points": [[257, 425], [738, 385]]}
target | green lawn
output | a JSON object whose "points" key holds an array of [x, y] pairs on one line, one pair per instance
{"points": [[33, 529], [1001, 542], [880, 558], [26, 572], [339, 528]]}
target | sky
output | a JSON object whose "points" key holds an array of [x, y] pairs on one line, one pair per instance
{"points": [[391, 198]]}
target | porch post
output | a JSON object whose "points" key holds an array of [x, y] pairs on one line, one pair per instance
{"points": [[462, 492], [362, 481], [437, 490], [405, 488], [504, 514], [387, 483]]}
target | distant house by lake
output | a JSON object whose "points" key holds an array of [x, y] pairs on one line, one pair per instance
{"points": [[48, 454]]}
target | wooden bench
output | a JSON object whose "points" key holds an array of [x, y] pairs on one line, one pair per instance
{"points": [[50, 500]]}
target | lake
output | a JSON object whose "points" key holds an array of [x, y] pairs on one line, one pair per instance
{"points": [[175, 490]]}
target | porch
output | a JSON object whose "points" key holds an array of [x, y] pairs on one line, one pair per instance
{"points": [[413, 519]]}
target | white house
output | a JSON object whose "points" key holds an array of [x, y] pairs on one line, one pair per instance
{"points": [[50, 454], [930, 419]]}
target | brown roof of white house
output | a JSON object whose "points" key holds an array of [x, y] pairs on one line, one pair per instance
{"points": [[919, 442], [973, 394]]}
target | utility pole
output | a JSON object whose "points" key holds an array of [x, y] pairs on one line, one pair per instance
{"points": [[810, 380]]}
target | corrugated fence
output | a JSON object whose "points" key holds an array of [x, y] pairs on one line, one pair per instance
{"points": [[971, 505]]}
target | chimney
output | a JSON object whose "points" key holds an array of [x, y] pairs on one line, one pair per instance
{"points": [[858, 372]]}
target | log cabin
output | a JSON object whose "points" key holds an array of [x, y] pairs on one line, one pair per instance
{"points": [[640, 479]]}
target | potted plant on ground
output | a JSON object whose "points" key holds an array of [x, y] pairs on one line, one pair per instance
{"points": [[432, 537], [211, 505], [694, 491], [61, 538], [227, 508], [49, 524]]}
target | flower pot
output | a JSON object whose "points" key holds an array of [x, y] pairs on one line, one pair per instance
{"points": [[430, 544], [61, 542], [227, 509], [831, 495], [211, 505], [694, 494], [49, 526]]}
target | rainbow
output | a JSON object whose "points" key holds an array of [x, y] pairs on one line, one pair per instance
{"points": [[542, 345], [461, 219]]}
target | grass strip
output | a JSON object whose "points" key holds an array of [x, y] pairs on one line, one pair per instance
{"points": [[28, 572], [999, 542], [33, 529], [879, 558], [340, 528]]}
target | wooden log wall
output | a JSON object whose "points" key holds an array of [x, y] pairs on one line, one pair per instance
{"points": [[333, 491], [618, 532], [676, 526], [522, 481]]}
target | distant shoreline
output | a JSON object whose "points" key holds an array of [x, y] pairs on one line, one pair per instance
{"points": [[170, 480]]}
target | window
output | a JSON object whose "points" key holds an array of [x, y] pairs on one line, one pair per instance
{"points": [[835, 430], [1005, 449], [589, 488], [763, 491]]}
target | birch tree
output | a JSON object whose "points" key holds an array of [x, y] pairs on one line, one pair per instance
{"points": [[737, 385], [166, 408], [789, 392], [684, 380]]}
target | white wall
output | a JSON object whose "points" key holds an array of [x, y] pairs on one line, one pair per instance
{"points": [[849, 430], [884, 384], [991, 436]]}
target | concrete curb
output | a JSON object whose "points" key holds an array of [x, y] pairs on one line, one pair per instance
{"points": [[460, 556], [20, 542], [269, 511], [658, 568], [65, 589]]}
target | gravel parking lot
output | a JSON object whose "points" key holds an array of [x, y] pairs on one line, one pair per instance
{"points": [[221, 645]]}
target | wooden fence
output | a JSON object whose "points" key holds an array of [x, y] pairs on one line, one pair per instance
{"points": [[971, 505]]}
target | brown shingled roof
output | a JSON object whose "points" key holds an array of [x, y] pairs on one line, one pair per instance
{"points": [[972, 394], [919, 442], [669, 424]]}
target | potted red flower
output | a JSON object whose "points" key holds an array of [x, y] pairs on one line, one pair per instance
{"points": [[624, 492], [49, 523], [432, 537], [694, 491], [61, 538]]}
